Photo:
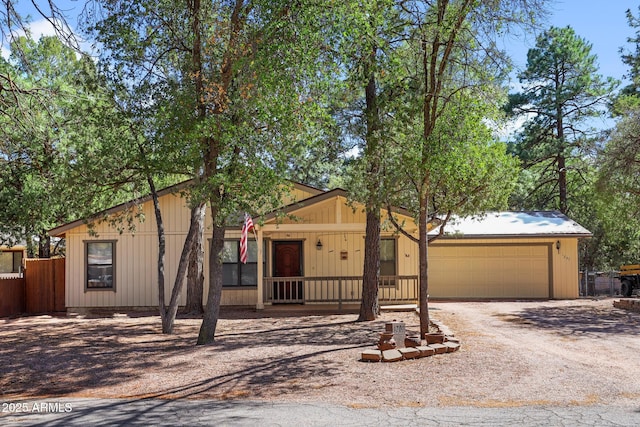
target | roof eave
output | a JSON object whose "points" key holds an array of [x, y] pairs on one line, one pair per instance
{"points": [[515, 236], [61, 230]]}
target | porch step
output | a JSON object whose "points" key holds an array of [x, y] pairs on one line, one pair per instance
{"points": [[399, 307]]}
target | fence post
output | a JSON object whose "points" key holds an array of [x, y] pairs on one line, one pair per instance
{"points": [[340, 294], [611, 283]]}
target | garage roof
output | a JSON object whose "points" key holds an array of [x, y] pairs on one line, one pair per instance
{"points": [[514, 224]]}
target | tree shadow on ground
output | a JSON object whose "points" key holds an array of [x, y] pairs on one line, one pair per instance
{"points": [[44, 355], [146, 412], [278, 375], [583, 320], [283, 330]]}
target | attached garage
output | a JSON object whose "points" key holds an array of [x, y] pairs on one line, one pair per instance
{"points": [[507, 255]]}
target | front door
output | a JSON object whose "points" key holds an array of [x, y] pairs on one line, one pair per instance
{"points": [[287, 262]]}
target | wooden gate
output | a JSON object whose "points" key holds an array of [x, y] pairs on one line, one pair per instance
{"points": [[11, 295], [44, 285]]}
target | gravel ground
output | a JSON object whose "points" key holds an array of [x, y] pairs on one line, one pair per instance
{"points": [[579, 352]]}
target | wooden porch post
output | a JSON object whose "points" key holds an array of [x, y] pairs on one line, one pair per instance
{"points": [[260, 300]]}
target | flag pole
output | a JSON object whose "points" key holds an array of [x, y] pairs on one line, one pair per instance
{"points": [[255, 235], [253, 225]]}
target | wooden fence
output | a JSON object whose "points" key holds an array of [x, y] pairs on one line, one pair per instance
{"points": [[44, 285], [11, 296], [40, 290]]}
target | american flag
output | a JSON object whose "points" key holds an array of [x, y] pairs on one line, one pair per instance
{"points": [[246, 227]]}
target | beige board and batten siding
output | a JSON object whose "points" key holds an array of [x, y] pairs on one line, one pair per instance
{"points": [[299, 192], [136, 260], [565, 269], [326, 212], [503, 268], [136, 257]]}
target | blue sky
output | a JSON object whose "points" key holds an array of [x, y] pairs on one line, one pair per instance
{"points": [[602, 23]]}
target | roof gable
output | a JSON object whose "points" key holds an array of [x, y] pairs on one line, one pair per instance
{"points": [[299, 190], [310, 207]]}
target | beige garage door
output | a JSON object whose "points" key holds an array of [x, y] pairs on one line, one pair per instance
{"points": [[489, 271]]}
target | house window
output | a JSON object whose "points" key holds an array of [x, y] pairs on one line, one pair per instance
{"points": [[387, 262], [10, 262], [234, 272], [17, 262], [100, 267]]}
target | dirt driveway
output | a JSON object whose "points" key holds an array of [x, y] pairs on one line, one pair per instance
{"points": [[579, 352]]}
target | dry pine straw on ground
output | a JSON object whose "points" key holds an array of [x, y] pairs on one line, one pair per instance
{"points": [[276, 357], [272, 356]]}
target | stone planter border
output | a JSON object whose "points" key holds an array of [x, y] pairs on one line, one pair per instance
{"points": [[441, 342]]}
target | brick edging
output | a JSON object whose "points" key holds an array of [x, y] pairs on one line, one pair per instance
{"points": [[629, 304]]}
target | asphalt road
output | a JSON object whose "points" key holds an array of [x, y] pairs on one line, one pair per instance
{"points": [[155, 412]]}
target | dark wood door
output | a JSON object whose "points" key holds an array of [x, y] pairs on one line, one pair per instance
{"points": [[287, 263], [287, 259]]}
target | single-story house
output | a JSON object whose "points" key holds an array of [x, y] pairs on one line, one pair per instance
{"points": [[314, 255]]}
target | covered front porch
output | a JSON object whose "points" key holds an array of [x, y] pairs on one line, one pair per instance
{"points": [[314, 255]]}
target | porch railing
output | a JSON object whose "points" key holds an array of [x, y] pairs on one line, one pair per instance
{"points": [[338, 290]]}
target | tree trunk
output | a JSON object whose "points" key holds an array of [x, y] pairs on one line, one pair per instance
{"points": [[161, 251], [31, 252], [369, 307], [429, 114], [212, 148], [172, 310], [195, 272], [562, 162], [212, 309], [562, 184], [44, 245], [423, 280], [168, 314]]}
